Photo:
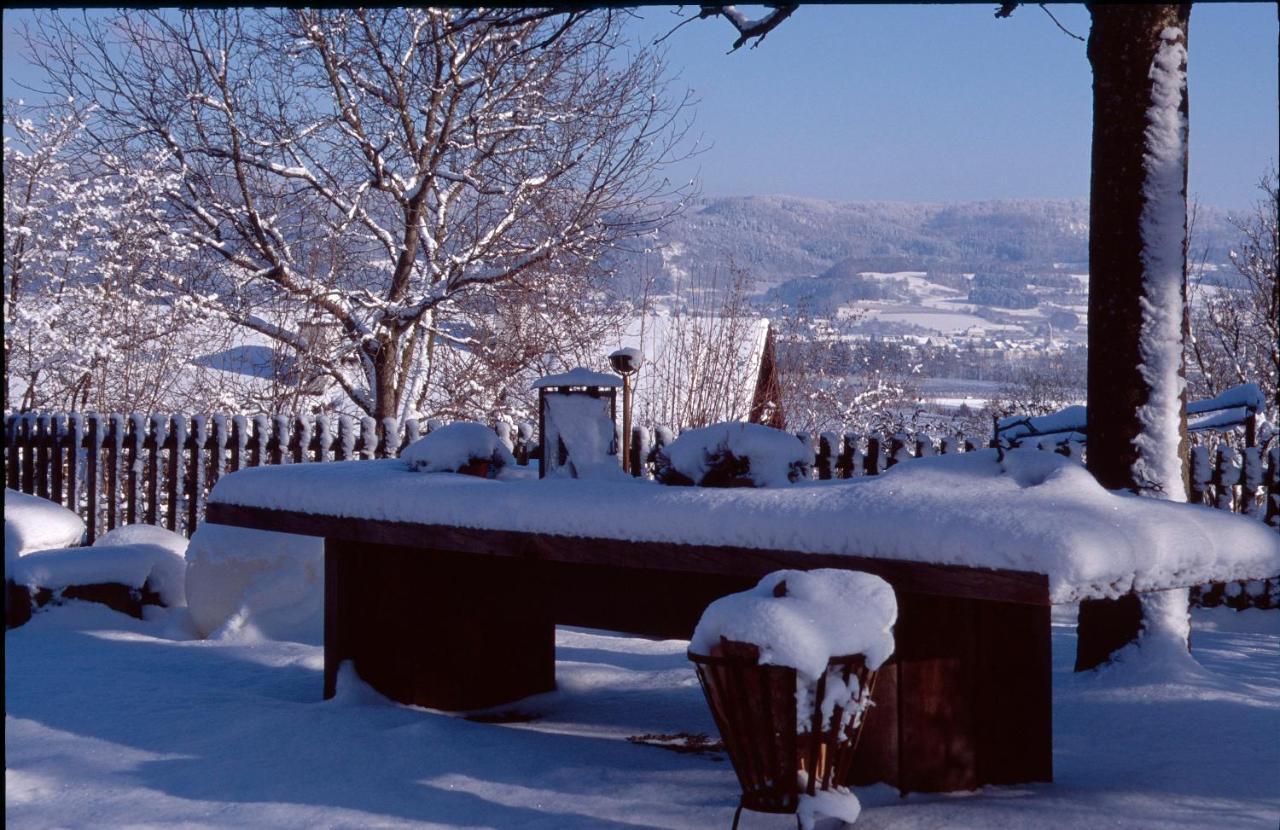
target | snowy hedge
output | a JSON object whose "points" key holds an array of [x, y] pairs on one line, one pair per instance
{"points": [[734, 454]]}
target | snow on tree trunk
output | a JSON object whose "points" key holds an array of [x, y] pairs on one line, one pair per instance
{"points": [[1158, 469], [1137, 258]]}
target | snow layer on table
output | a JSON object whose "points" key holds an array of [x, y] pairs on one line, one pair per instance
{"points": [[1183, 751], [1036, 511], [1158, 467], [578, 376], [802, 619], [32, 523], [775, 458], [456, 445], [585, 426], [133, 565], [238, 578]]}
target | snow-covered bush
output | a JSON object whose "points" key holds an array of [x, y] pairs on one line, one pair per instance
{"points": [[734, 454], [272, 582], [459, 445], [32, 523]]}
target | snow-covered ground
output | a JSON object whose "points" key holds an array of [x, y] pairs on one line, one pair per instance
{"points": [[112, 722]]}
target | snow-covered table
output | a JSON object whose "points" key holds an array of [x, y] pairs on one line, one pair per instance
{"points": [[444, 590]]}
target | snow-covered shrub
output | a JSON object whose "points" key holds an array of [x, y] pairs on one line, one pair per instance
{"points": [[457, 446], [734, 454], [272, 582], [32, 523]]}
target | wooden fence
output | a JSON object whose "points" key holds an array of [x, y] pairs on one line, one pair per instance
{"points": [[158, 469]]}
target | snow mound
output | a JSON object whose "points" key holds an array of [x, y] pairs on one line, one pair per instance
{"points": [[457, 445], [143, 534], [734, 453], [273, 582], [32, 523], [802, 619], [134, 565]]}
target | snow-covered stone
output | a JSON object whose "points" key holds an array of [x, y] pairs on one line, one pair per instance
{"points": [[457, 445], [32, 523], [734, 452], [272, 582]]}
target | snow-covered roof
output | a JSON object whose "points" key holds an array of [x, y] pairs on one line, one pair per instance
{"points": [[578, 376], [1036, 511]]}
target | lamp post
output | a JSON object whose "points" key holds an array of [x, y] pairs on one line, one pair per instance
{"points": [[626, 362]]}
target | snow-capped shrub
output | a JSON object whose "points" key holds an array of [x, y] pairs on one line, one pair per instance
{"points": [[734, 454], [272, 582], [32, 523], [459, 445], [143, 534]]}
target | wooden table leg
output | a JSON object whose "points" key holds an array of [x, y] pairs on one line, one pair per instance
{"points": [[429, 628]]}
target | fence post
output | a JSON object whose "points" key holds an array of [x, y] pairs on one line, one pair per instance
{"points": [[27, 442], [1226, 475], [196, 440], [828, 451], [1273, 486], [217, 464], [639, 451], [57, 433], [1250, 481], [874, 461], [924, 445], [42, 456], [75, 443], [368, 438], [1201, 474], [156, 433], [898, 449], [175, 443], [300, 439], [322, 443], [91, 477], [278, 442], [346, 446], [11, 451], [388, 435], [115, 446], [413, 431]]}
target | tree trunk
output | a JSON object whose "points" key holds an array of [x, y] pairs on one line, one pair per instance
{"points": [[1127, 261]]}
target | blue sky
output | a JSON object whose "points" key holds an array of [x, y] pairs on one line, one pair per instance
{"points": [[937, 103]]}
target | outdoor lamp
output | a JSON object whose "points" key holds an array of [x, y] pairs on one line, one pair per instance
{"points": [[626, 362]]}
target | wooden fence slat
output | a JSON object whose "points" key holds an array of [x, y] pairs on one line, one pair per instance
{"points": [[345, 445], [157, 432], [91, 475], [279, 441], [57, 458], [194, 486], [42, 456], [115, 444], [368, 438], [75, 442], [174, 443], [12, 449], [322, 443]]}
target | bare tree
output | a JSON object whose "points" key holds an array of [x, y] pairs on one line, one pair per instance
{"points": [[375, 168], [1235, 322]]}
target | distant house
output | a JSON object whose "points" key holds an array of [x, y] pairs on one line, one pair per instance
{"points": [[701, 370]]}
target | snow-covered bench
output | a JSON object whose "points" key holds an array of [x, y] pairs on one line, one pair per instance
{"points": [[444, 590], [126, 569]]}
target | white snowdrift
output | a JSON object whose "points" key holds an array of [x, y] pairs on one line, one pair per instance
{"points": [[32, 523], [456, 445], [272, 582], [764, 456], [1037, 511]]}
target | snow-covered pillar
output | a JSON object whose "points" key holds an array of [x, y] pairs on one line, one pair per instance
{"points": [[1137, 276]]}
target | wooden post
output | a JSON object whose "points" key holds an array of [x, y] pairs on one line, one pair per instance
{"points": [[57, 435], [152, 442], [828, 451], [873, 464], [1103, 626], [1201, 475], [174, 442], [75, 445], [1226, 475], [639, 451], [194, 487], [115, 443], [42, 456], [1273, 487], [91, 477], [323, 441], [11, 451]]}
